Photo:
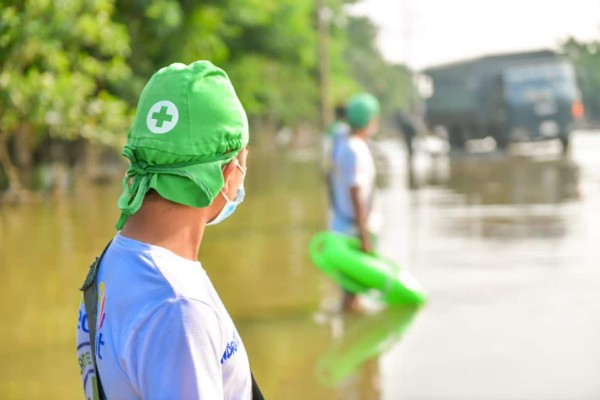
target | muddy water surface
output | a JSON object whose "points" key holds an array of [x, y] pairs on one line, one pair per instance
{"points": [[506, 246]]}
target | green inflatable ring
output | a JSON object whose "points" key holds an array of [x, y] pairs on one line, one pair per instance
{"points": [[340, 258]]}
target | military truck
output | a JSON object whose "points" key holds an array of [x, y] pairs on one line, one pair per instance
{"points": [[510, 97]]}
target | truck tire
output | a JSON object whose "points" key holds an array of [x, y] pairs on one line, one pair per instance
{"points": [[501, 142], [500, 135], [565, 143], [456, 139]]}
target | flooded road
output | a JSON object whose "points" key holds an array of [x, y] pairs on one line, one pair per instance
{"points": [[505, 245], [508, 249]]}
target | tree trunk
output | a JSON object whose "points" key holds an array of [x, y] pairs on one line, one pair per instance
{"points": [[16, 190], [323, 64]]}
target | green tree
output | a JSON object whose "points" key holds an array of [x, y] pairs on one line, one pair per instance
{"points": [[391, 84], [586, 57], [61, 62], [74, 68], [273, 58], [266, 46]]}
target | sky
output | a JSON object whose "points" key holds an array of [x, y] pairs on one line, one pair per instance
{"points": [[423, 33]]}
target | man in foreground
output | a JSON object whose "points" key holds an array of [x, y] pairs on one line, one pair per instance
{"points": [[162, 331]]}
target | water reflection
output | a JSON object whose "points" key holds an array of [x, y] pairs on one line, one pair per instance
{"points": [[497, 194], [493, 177], [506, 245], [365, 337], [513, 180]]}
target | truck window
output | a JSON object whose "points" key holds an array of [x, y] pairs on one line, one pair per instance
{"points": [[539, 82]]}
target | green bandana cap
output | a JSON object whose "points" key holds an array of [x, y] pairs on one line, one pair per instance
{"points": [[188, 124], [362, 108]]}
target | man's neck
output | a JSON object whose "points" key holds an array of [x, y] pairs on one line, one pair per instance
{"points": [[163, 223], [360, 133]]}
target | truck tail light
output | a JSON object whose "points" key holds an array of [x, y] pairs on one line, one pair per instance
{"points": [[577, 109]]}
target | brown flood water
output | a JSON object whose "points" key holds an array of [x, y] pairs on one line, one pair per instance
{"points": [[506, 246]]}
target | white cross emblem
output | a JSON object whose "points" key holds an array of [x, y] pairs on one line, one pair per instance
{"points": [[162, 117]]}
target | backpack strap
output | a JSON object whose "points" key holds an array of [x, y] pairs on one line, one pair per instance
{"points": [[90, 299], [256, 393]]}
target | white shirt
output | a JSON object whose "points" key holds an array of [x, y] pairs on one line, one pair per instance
{"points": [[353, 166], [162, 330]]}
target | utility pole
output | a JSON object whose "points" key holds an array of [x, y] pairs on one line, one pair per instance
{"points": [[323, 63], [407, 32]]}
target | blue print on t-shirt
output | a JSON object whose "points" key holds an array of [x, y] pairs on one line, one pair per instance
{"points": [[230, 350]]}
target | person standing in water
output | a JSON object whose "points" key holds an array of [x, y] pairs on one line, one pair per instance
{"points": [[353, 178], [162, 331], [337, 131]]}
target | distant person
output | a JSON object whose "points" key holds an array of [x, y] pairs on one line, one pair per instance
{"points": [[407, 126], [162, 331], [335, 132], [353, 178], [338, 130]]}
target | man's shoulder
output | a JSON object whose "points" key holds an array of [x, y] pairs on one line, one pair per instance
{"points": [[186, 278], [157, 269], [356, 147], [347, 145]]}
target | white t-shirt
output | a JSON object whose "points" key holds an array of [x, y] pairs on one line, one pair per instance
{"points": [[353, 166], [162, 331]]}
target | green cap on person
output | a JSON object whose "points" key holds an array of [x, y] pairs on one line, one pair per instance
{"points": [[189, 122], [362, 108]]}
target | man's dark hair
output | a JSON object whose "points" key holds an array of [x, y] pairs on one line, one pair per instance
{"points": [[340, 112]]}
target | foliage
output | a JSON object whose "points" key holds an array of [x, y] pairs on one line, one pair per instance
{"points": [[266, 46], [391, 84], [586, 57], [74, 68], [59, 63]]}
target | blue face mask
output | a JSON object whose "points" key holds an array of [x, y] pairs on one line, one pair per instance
{"points": [[230, 205]]}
